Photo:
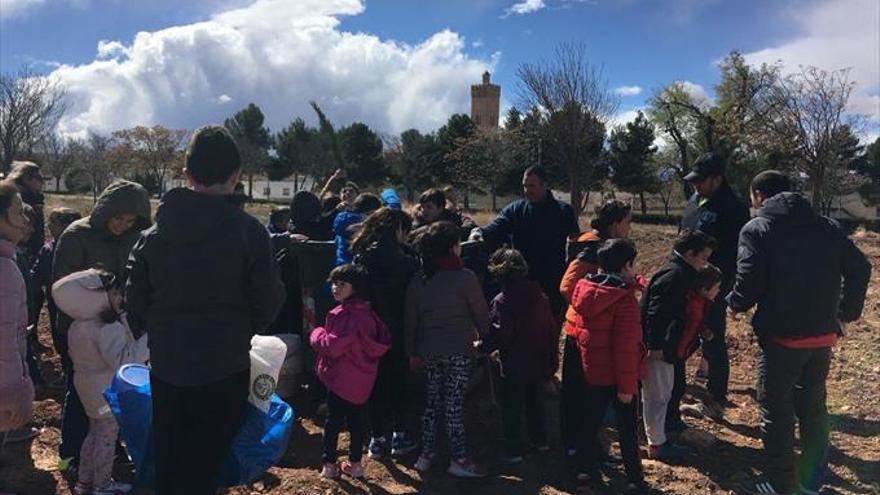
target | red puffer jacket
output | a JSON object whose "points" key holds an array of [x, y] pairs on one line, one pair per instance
{"points": [[695, 314], [609, 332]]}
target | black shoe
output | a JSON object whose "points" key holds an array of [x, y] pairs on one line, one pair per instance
{"points": [[759, 486]]}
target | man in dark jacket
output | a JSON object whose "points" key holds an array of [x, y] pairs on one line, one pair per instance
{"points": [[807, 278], [201, 282], [716, 210], [537, 226]]}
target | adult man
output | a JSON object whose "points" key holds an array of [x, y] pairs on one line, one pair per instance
{"points": [[202, 282], [791, 262], [716, 210], [538, 226]]}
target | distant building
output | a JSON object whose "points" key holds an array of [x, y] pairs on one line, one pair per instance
{"points": [[486, 103]]}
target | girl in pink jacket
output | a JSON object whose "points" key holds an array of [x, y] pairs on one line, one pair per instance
{"points": [[348, 347], [16, 388]]}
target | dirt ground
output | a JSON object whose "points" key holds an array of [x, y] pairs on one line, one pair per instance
{"points": [[853, 399]]}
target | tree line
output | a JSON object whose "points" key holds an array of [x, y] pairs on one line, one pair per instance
{"points": [[760, 118]]}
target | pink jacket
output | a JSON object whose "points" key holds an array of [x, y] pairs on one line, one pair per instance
{"points": [[349, 347], [16, 389]]}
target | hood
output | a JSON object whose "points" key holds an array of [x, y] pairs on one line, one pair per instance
{"points": [[185, 216], [118, 198], [304, 208], [81, 295], [601, 292], [789, 208], [390, 198], [361, 310]]}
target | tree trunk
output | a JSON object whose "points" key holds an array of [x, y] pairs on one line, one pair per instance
{"points": [[251, 185], [644, 206], [58, 184], [494, 198], [817, 194], [576, 195], [295, 182]]}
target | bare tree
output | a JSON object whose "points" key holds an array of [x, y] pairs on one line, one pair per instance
{"points": [[102, 161], [574, 97], [810, 117], [57, 156], [30, 106], [155, 150]]}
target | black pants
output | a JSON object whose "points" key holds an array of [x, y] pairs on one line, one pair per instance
{"points": [[791, 382], [518, 397], [571, 400], [674, 423], [342, 412], [74, 422], [388, 400], [193, 429], [715, 350], [597, 399]]}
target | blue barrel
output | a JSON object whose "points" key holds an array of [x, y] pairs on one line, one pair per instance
{"points": [[130, 400]]}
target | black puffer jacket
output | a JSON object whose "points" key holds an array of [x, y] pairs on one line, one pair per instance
{"points": [[664, 307], [390, 266], [721, 216], [201, 283], [791, 264]]}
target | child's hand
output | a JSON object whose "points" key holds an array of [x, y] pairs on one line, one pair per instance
{"points": [[415, 362], [625, 398]]}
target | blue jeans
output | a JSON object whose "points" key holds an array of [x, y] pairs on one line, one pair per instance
{"points": [[791, 383]]}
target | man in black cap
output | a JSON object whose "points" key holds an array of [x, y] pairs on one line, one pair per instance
{"points": [[716, 210]]}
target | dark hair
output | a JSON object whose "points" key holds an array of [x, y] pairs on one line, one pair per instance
{"points": [[771, 183], [212, 156], [381, 224], [278, 213], [508, 264], [366, 203], [435, 242], [708, 277], [304, 208], [8, 192], [615, 254], [608, 214], [694, 241], [350, 185], [356, 275], [109, 281], [30, 213], [538, 172], [434, 196]]}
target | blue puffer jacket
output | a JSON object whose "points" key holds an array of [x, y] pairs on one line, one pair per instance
{"points": [[342, 231]]}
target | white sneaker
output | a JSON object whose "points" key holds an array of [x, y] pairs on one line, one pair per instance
{"points": [[424, 462], [112, 488], [465, 468]]}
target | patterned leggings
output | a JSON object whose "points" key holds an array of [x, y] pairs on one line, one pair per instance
{"points": [[97, 453], [446, 386]]}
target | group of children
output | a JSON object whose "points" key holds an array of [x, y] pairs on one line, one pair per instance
{"points": [[632, 336], [406, 301]]}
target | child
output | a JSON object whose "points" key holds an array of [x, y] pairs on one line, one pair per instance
{"points": [[100, 341], [279, 219], [362, 206], [16, 387], [432, 208], [707, 285], [524, 330], [349, 347], [664, 317], [444, 306], [609, 340], [59, 219]]}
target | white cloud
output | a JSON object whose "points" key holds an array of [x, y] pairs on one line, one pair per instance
{"points": [[621, 118], [696, 91], [279, 55], [477, 44], [628, 90], [17, 8], [836, 35], [111, 49], [525, 7]]}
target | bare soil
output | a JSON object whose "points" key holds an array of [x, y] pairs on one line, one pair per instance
{"points": [[853, 401]]}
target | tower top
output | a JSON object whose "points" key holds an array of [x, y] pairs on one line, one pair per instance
{"points": [[486, 77]]}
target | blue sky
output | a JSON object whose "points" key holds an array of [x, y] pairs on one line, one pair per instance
{"points": [[398, 64]]}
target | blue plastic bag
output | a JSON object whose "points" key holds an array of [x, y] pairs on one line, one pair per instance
{"points": [[259, 444]]}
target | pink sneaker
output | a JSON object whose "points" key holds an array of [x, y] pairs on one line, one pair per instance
{"points": [[353, 469]]}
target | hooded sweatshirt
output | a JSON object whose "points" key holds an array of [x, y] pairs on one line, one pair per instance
{"points": [[16, 388], [349, 346], [202, 282], [97, 349], [800, 269], [609, 332]]}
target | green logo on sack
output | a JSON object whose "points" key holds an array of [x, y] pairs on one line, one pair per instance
{"points": [[264, 386]]}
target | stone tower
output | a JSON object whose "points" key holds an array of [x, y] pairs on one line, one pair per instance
{"points": [[485, 103]]}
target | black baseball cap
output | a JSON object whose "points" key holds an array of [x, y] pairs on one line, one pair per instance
{"points": [[706, 165]]}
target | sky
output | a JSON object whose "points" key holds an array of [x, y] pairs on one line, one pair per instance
{"points": [[400, 64]]}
